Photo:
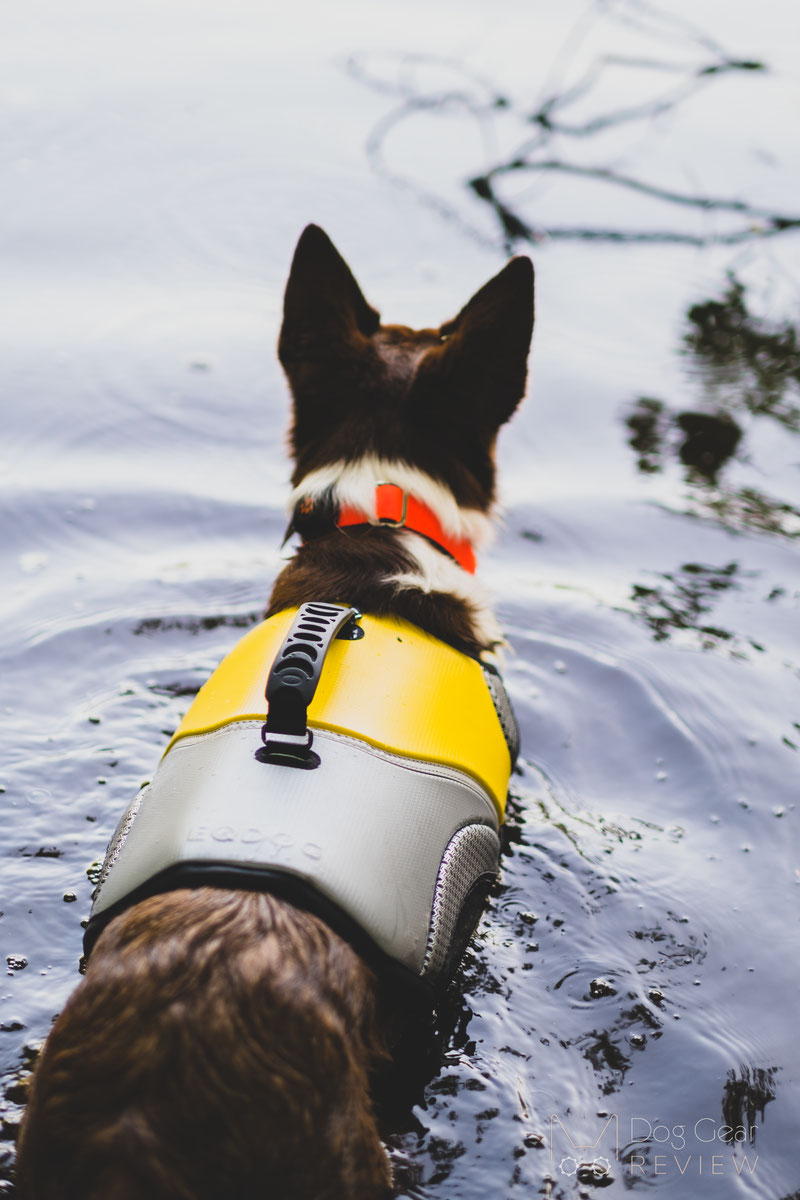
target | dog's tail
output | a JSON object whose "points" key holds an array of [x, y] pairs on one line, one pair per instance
{"points": [[219, 1046]]}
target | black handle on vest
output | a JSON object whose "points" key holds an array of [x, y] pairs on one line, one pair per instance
{"points": [[293, 680]]}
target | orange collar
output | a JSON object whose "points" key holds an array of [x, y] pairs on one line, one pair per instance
{"points": [[398, 509]]}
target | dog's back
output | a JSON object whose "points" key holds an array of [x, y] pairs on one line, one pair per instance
{"points": [[221, 1042]]}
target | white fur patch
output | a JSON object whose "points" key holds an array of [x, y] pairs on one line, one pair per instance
{"points": [[436, 572], [353, 484]]}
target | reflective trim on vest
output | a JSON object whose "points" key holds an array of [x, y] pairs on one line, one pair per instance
{"points": [[399, 845], [397, 688]]}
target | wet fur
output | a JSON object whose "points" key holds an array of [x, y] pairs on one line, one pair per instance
{"points": [[216, 1038], [221, 1042]]}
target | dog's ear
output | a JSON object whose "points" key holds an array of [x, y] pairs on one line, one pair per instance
{"points": [[324, 308], [479, 371]]}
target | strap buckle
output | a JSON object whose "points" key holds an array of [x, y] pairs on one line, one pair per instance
{"points": [[385, 504], [293, 679]]}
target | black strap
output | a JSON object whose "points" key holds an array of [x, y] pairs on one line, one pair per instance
{"points": [[293, 680]]}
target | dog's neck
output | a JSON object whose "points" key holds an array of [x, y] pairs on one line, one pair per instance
{"points": [[387, 569], [352, 484]]}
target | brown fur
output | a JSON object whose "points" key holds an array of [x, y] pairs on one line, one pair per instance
{"points": [[219, 1046], [398, 392], [221, 1042], [352, 565]]}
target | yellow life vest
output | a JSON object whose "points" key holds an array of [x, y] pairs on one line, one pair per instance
{"points": [[392, 839], [398, 688]]}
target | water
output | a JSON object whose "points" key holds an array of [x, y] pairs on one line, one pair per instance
{"points": [[634, 983]]}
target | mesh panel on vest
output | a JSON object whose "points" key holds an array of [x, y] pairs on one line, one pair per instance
{"points": [[472, 853], [505, 713]]}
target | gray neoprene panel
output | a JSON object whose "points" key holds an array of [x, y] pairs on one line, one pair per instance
{"points": [[369, 829]]}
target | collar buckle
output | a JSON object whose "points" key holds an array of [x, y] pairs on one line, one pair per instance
{"points": [[394, 508], [388, 498]]}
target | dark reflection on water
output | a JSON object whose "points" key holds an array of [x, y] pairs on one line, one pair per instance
{"points": [[572, 112], [684, 601], [744, 362], [711, 439], [748, 508], [746, 1095], [194, 625], [741, 366]]}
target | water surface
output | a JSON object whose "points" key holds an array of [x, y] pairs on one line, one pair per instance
{"points": [[634, 982]]}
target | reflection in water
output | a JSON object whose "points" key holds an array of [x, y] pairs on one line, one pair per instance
{"points": [[745, 363], [746, 1094], [709, 439], [539, 136], [14, 1096], [747, 508], [195, 625], [683, 601], [746, 367], [647, 422], [607, 1059]]}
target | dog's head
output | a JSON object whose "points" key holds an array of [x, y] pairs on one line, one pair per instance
{"points": [[431, 399]]}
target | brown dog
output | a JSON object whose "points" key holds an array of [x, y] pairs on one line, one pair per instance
{"points": [[222, 1041]]}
